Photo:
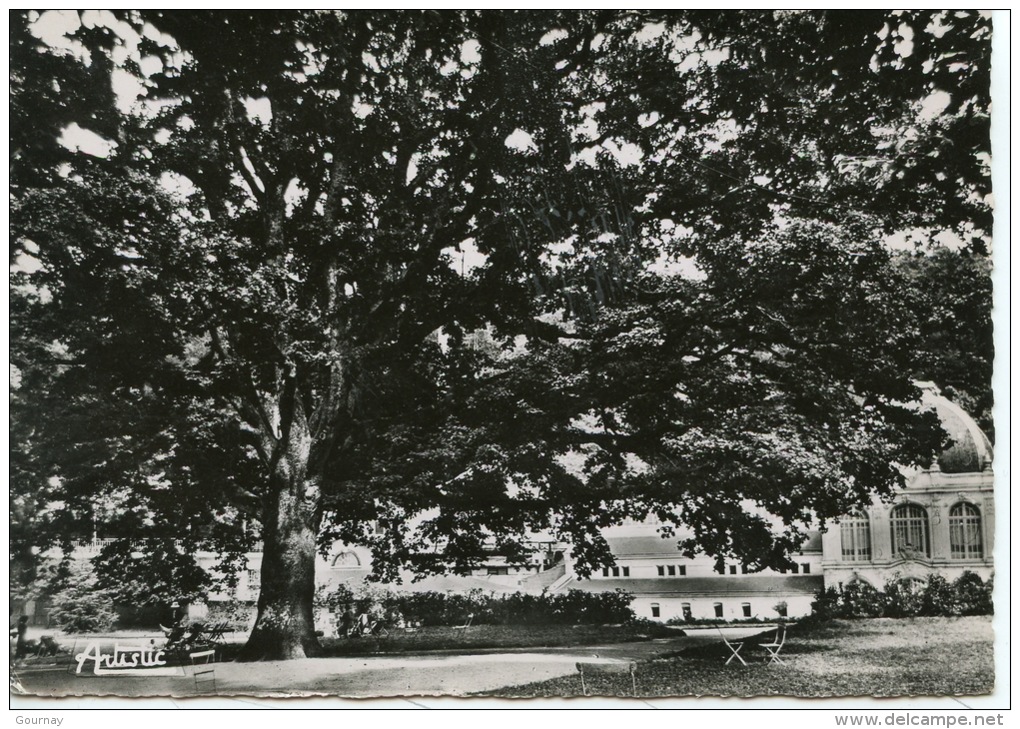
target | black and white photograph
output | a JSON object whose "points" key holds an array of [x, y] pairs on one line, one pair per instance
{"points": [[588, 354]]}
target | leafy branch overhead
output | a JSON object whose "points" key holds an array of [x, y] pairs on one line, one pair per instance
{"points": [[436, 280]]}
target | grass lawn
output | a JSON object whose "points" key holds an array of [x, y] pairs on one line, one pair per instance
{"points": [[880, 657]]}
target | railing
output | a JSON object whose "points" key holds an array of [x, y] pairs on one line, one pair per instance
{"points": [[94, 545], [91, 545]]}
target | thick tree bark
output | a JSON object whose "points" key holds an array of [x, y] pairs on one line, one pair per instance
{"points": [[285, 626]]}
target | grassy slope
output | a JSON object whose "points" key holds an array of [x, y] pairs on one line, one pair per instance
{"points": [[495, 636], [882, 657], [482, 637]]}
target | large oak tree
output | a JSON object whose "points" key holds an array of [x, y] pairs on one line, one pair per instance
{"points": [[430, 281]]}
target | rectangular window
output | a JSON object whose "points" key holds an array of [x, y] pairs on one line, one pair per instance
{"points": [[683, 570], [605, 572], [806, 567], [661, 570], [655, 609], [626, 571], [743, 569], [793, 568], [685, 608], [254, 579], [733, 569], [616, 571], [497, 571], [746, 609], [718, 609], [672, 571]]}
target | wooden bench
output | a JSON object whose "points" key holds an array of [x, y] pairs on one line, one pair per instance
{"points": [[203, 670], [607, 667]]}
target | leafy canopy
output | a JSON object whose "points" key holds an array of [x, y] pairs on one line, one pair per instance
{"points": [[470, 275]]}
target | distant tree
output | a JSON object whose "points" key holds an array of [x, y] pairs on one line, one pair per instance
{"points": [[422, 271], [80, 605], [48, 92]]}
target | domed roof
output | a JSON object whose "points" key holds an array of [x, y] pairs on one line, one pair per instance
{"points": [[970, 449]]}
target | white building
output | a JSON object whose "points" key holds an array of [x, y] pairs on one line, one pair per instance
{"points": [[666, 585], [942, 522]]}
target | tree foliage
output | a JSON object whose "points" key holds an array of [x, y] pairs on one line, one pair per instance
{"points": [[830, 113], [80, 604], [948, 296], [469, 275]]}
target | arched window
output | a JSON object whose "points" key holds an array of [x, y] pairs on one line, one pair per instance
{"points": [[965, 532], [855, 533], [345, 560], [909, 523]]}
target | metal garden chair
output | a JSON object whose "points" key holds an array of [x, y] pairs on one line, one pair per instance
{"points": [[734, 647], [775, 646]]}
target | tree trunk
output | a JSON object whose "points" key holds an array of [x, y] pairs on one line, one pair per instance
{"points": [[285, 626]]}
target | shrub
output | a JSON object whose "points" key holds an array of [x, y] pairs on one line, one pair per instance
{"points": [[574, 607], [826, 605], [974, 597], [591, 608], [860, 600], [904, 597], [442, 608], [80, 606], [939, 597], [238, 614]]}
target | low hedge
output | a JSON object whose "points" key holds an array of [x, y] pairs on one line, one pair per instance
{"points": [[432, 608], [906, 598]]}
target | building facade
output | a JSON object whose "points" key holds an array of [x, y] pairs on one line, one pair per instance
{"points": [[666, 585], [942, 522]]}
